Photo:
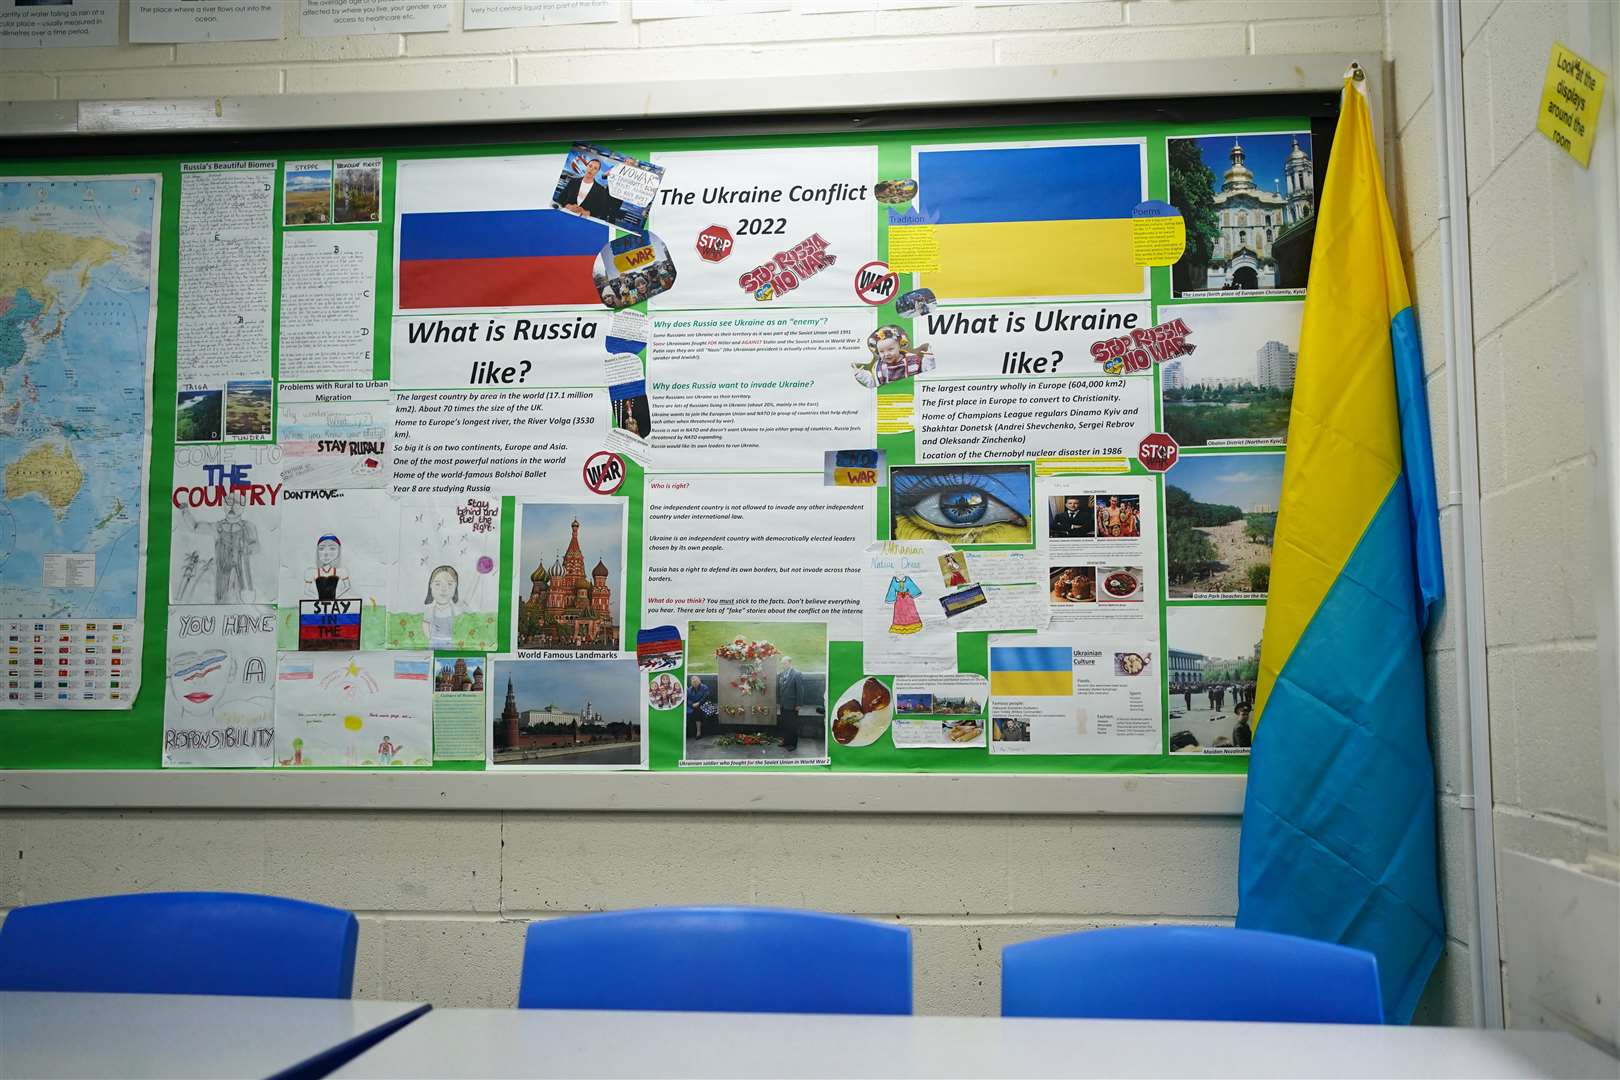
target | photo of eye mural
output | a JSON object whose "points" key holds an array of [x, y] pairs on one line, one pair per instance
{"points": [[709, 454]]}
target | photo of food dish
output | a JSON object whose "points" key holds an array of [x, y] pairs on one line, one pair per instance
{"points": [[863, 713], [1073, 584], [964, 731], [1119, 584], [1131, 663]]}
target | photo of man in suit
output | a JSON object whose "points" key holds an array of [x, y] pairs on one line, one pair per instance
{"points": [[1072, 518], [788, 682], [585, 195]]}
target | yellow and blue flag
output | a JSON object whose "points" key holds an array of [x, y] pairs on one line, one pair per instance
{"points": [[1339, 823], [1031, 671], [1032, 221]]}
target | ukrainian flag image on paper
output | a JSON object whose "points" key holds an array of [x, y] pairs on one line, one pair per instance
{"points": [[1046, 220], [1031, 671]]}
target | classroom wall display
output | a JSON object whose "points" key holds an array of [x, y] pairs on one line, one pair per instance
{"points": [[850, 423]]}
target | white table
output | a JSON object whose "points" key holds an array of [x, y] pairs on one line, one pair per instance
{"points": [[183, 1035], [536, 1043]]}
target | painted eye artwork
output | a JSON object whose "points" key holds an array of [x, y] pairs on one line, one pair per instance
{"points": [[974, 504]]}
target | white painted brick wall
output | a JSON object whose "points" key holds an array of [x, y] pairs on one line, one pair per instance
{"points": [[869, 43], [443, 898], [1535, 451]]}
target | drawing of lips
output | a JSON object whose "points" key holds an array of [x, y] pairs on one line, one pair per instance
{"points": [[197, 697]]}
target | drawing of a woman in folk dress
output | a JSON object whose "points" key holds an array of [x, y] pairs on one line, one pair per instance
{"points": [[901, 592]]}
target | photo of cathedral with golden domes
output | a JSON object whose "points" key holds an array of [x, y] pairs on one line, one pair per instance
{"points": [[1249, 204], [562, 605]]}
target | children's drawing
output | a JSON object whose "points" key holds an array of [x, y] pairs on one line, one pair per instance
{"points": [[225, 527], [897, 633], [902, 590], [446, 584], [218, 710], [338, 545], [362, 709], [336, 444], [328, 579]]}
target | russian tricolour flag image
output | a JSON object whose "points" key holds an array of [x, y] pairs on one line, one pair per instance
{"points": [[479, 234], [416, 670]]}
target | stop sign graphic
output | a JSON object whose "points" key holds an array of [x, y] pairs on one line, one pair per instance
{"points": [[714, 243], [1158, 452]]}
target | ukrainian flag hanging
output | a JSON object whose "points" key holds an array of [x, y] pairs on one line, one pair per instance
{"points": [[1339, 824]]}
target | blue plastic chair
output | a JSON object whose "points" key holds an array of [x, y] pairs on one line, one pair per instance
{"points": [[717, 959], [181, 943], [1190, 973]]}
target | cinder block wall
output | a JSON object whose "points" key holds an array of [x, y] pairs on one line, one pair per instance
{"points": [[875, 44], [1543, 659], [443, 896], [1411, 163]]}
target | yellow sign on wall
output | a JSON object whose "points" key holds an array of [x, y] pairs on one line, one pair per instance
{"points": [[1570, 100]]}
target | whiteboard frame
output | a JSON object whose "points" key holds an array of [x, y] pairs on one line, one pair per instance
{"points": [[706, 99]]}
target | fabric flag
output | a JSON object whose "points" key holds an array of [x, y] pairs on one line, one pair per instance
{"points": [[1031, 671], [1032, 221], [1338, 836]]}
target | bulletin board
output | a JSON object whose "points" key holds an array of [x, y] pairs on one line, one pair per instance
{"points": [[980, 423]]}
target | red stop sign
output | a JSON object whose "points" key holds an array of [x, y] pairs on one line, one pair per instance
{"points": [[1158, 452], [714, 243]]}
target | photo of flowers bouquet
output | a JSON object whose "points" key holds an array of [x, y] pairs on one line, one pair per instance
{"points": [[750, 657]]}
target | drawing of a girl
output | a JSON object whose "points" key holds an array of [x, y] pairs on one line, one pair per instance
{"points": [[441, 605], [901, 592], [327, 579]]}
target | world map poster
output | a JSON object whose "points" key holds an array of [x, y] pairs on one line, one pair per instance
{"points": [[77, 299]]}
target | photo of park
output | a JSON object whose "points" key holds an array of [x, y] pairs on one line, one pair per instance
{"points": [[1220, 516], [1238, 387]]}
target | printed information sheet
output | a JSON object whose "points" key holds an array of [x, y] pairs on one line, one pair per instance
{"points": [[328, 299], [226, 211]]}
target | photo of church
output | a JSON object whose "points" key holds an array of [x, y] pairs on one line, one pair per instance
{"points": [[458, 675], [564, 599], [1249, 203]]}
